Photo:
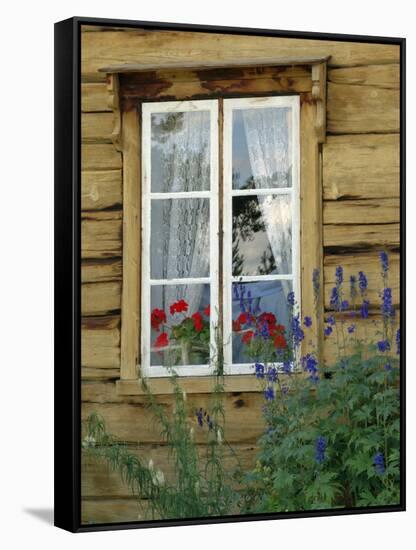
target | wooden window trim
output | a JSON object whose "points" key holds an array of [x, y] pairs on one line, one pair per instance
{"points": [[128, 85]]}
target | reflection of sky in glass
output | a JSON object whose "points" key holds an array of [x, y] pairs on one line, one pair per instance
{"points": [[241, 161]]}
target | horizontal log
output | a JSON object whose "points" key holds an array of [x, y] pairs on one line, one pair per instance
{"points": [[101, 189], [370, 265], [361, 236], [362, 109], [135, 423], [100, 236], [94, 271], [114, 510], [100, 347], [99, 481], [96, 127], [100, 49], [100, 298], [361, 167], [379, 76], [361, 211], [93, 374], [100, 156], [94, 97]]}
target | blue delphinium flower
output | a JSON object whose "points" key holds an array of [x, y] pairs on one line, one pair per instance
{"points": [[351, 329], [334, 299], [310, 365], [384, 259], [200, 417], [264, 331], [272, 374], [362, 282], [269, 393], [287, 367], [379, 464], [291, 298], [297, 332], [383, 345], [330, 320], [364, 309], [320, 448], [328, 330], [307, 321], [398, 341], [345, 305], [235, 291], [387, 303], [284, 389], [259, 370], [316, 284], [388, 367], [339, 275]]}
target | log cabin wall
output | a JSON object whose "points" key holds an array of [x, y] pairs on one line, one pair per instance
{"points": [[360, 174]]}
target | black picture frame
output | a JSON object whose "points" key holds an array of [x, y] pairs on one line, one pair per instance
{"points": [[67, 269]]}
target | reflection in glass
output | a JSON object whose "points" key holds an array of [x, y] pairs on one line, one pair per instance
{"points": [[180, 332], [180, 156], [179, 246], [262, 235], [262, 148], [260, 312]]}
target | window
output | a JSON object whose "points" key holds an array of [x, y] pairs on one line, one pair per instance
{"points": [[184, 209]]}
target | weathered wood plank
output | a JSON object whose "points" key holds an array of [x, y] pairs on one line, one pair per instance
{"points": [[101, 235], [99, 481], [370, 265], [378, 76], [100, 298], [134, 422], [95, 271], [361, 211], [93, 374], [101, 189], [96, 127], [100, 347], [110, 510], [361, 166], [94, 97], [362, 236], [100, 156], [100, 49], [362, 109]]}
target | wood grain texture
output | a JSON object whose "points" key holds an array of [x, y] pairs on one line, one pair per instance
{"points": [[101, 235], [100, 298], [94, 271], [370, 265], [111, 510], [101, 189], [100, 342], [361, 211], [358, 167], [94, 97], [96, 127], [362, 109], [92, 374], [378, 76], [100, 156], [100, 49], [362, 236]]}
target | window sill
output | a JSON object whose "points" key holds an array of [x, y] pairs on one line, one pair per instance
{"points": [[191, 384]]}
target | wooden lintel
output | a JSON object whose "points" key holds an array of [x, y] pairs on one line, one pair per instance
{"points": [[113, 87], [319, 96]]}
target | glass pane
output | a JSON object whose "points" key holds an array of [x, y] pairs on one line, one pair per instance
{"points": [[180, 332], [262, 155], [262, 235], [180, 152], [260, 317], [179, 246]]}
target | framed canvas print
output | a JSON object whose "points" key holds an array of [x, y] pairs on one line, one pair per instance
{"points": [[229, 274]]}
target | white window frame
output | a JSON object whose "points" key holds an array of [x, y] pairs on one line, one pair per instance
{"points": [[147, 196], [230, 105], [213, 194]]}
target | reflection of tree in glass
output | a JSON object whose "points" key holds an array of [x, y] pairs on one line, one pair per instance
{"points": [[247, 220], [267, 262], [276, 180], [169, 124]]}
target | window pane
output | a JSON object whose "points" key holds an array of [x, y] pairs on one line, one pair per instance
{"points": [[180, 334], [180, 152], [260, 321], [262, 235], [262, 148], [179, 238]]}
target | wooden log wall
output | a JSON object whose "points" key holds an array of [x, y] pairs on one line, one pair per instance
{"points": [[360, 168]]}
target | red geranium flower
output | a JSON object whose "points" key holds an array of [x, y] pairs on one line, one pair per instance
{"points": [[242, 318], [236, 326], [197, 319], [207, 311], [280, 341], [268, 318], [280, 328], [246, 339], [157, 318], [178, 307], [162, 340]]}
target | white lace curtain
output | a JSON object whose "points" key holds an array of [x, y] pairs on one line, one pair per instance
{"points": [[269, 150]]}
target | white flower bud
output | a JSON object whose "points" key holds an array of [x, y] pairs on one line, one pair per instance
{"points": [[219, 436], [159, 478], [150, 464]]}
